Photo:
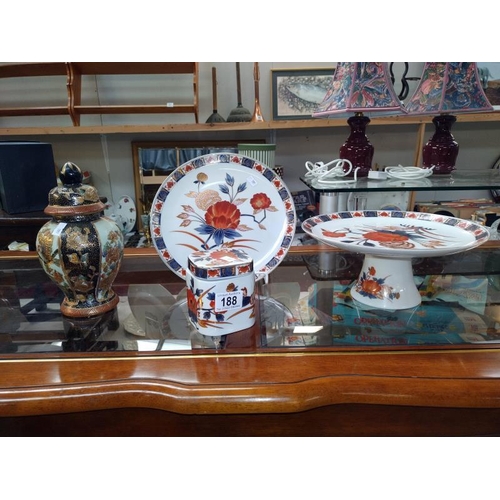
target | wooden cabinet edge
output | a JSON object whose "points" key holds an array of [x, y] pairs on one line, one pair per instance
{"points": [[248, 398]]}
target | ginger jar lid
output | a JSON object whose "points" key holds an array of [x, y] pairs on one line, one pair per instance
{"points": [[220, 263], [73, 197]]}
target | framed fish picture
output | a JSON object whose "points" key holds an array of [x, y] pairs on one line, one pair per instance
{"points": [[489, 73], [297, 93]]}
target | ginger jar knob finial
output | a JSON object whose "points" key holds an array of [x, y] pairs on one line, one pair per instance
{"points": [[70, 173]]}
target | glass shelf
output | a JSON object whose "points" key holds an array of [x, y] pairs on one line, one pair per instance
{"points": [[306, 305], [460, 179]]}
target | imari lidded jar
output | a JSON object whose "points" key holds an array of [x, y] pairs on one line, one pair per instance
{"points": [[220, 291], [80, 249]]}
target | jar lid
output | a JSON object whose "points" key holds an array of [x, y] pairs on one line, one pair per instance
{"points": [[220, 263], [73, 197]]}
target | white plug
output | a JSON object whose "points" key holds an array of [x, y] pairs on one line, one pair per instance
{"points": [[377, 174]]}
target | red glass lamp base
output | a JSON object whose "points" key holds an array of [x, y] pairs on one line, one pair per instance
{"points": [[441, 150], [357, 148]]}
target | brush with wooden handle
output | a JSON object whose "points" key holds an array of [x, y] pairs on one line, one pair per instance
{"points": [[215, 117], [239, 114]]}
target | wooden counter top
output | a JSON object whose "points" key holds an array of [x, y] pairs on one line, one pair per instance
{"points": [[249, 389]]}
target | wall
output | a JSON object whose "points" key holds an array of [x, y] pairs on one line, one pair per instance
{"points": [[109, 158]]}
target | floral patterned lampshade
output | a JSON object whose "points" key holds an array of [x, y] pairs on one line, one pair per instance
{"points": [[360, 87], [449, 87], [446, 89]]}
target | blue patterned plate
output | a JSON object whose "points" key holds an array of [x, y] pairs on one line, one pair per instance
{"points": [[395, 233], [223, 200]]}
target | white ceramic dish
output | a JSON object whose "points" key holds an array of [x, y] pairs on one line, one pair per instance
{"points": [[396, 234], [389, 240], [223, 200], [125, 208]]}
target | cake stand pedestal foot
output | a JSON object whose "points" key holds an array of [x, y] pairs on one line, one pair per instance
{"points": [[386, 283]]}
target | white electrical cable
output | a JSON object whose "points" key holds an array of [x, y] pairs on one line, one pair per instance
{"points": [[408, 173], [334, 175]]}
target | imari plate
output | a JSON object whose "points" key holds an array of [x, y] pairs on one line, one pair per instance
{"points": [[389, 240], [223, 200], [396, 233]]}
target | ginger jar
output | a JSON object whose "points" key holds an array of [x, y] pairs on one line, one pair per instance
{"points": [[80, 249], [220, 291]]}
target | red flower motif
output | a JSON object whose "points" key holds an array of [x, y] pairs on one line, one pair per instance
{"points": [[334, 234], [383, 237], [191, 303], [260, 201], [223, 215], [371, 287], [221, 254]]}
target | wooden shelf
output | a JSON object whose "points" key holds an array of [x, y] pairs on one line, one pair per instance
{"points": [[38, 111], [75, 108], [74, 72], [19, 70], [236, 126], [135, 109], [134, 68]]}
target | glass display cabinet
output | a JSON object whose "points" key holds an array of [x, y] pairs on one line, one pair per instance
{"points": [[315, 362], [331, 199]]}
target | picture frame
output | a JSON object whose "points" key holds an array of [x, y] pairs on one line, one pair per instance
{"points": [[296, 93], [489, 73]]}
